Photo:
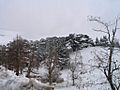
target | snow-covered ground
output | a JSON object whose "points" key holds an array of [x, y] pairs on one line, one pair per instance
{"points": [[91, 78], [9, 81]]}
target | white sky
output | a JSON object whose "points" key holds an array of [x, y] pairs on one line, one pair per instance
{"points": [[34, 19]]}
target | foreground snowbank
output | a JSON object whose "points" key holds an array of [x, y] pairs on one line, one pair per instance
{"points": [[9, 81]]}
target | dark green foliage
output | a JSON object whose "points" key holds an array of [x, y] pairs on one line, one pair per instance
{"points": [[18, 54], [103, 41], [64, 45], [78, 41], [45, 45], [3, 55], [97, 42]]}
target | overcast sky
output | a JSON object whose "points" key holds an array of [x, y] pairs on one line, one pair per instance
{"points": [[34, 19]]}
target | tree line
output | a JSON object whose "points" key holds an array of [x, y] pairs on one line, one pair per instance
{"points": [[21, 55], [53, 52]]}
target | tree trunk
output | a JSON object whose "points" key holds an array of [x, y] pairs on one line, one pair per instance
{"points": [[73, 79], [111, 85], [110, 67], [28, 72], [50, 77], [29, 69], [17, 69]]}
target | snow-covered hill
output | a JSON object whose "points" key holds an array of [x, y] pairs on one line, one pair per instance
{"points": [[92, 77]]}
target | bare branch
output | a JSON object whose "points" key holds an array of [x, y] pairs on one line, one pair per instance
{"points": [[99, 30], [109, 67]]}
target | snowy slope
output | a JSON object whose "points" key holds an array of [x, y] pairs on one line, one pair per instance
{"points": [[93, 78]]}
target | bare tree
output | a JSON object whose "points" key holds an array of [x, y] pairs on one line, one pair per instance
{"points": [[17, 51], [52, 64], [107, 64], [14, 54], [32, 61], [3, 56], [75, 65]]}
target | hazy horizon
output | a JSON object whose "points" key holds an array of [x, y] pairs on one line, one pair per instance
{"points": [[35, 19]]}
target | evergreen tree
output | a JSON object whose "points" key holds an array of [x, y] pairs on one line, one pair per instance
{"points": [[97, 42]]}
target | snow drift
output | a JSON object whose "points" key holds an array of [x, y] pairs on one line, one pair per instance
{"points": [[9, 81]]}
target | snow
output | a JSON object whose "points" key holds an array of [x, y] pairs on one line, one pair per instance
{"points": [[67, 88], [9, 81], [90, 79]]}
